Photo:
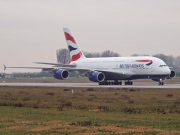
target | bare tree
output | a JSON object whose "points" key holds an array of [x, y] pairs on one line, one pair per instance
{"points": [[169, 60], [92, 55], [106, 53], [109, 53], [62, 56], [139, 55], [177, 61]]}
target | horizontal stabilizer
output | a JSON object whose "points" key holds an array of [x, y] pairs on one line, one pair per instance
{"points": [[4, 67]]}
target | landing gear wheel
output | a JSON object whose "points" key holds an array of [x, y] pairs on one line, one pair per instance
{"points": [[117, 83], [128, 83], [161, 83], [110, 83]]}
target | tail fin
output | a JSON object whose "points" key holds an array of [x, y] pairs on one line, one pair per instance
{"points": [[74, 49]]}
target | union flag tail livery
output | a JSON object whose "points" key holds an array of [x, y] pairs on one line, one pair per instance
{"points": [[74, 49]]}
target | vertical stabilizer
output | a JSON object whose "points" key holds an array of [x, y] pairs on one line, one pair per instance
{"points": [[74, 49]]}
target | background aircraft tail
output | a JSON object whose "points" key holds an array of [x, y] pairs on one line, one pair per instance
{"points": [[74, 49]]}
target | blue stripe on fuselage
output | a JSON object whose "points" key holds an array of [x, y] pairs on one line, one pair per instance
{"points": [[149, 63]]}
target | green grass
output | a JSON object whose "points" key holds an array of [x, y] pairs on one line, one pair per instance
{"points": [[42, 110]]}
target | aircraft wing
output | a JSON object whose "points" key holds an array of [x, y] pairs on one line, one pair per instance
{"points": [[108, 73], [52, 68], [56, 64]]}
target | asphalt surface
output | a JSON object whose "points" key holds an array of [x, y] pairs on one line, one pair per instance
{"points": [[90, 85]]}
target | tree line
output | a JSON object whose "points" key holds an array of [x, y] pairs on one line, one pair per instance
{"points": [[171, 61], [63, 55]]}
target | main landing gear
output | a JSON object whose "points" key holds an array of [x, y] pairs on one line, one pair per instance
{"points": [[128, 83], [115, 83], [110, 83]]}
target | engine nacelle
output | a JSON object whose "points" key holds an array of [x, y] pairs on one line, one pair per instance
{"points": [[96, 76], [61, 74], [172, 75]]}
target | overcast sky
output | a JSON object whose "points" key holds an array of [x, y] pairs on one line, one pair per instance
{"points": [[31, 30]]}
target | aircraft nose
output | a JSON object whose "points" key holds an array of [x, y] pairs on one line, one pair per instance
{"points": [[168, 71]]}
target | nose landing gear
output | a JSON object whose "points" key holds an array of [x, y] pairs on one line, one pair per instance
{"points": [[161, 82]]}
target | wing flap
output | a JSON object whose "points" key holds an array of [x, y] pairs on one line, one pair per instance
{"points": [[56, 64], [42, 68]]}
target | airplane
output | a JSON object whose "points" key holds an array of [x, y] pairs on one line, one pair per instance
{"points": [[108, 70]]}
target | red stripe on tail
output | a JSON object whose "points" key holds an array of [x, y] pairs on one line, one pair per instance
{"points": [[76, 56], [69, 37]]}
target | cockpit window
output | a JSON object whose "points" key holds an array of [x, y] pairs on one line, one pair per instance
{"points": [[163, 66]]}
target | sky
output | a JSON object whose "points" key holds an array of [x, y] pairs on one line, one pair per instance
{"points": [[31, 30]]}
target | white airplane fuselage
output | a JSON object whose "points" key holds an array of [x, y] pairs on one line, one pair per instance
{"points": [[136, 66]]}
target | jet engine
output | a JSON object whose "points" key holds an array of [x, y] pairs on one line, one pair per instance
{"points": [[172, 75], [96, 76], [61, 74]]}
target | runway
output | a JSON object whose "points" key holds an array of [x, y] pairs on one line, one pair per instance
{"points": [[90, 85]]}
